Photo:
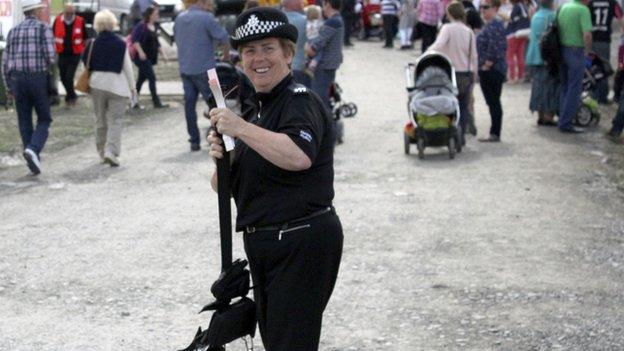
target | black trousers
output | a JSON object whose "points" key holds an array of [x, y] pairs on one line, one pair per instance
{"points": [[67, 69], [492, 87], [347, 18], [428, 34], [146, 72], [388, 28], [618, 84], [294, 277]]}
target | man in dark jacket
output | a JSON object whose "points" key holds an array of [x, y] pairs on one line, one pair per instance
{"points": [[603, 12], [348, 17]]}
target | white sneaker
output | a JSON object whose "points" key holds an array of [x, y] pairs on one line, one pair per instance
{"points": [[32, 161], [111, 160]]}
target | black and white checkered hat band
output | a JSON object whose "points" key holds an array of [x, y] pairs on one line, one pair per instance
{"points": [[259, 27]]}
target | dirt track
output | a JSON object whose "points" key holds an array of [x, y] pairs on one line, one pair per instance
{"points": [[516, 246]]}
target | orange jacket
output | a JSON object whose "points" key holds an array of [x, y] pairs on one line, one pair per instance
{"points": [[77, 37]]}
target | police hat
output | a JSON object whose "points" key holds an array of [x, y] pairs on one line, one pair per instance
{"points": [[260, 23]]}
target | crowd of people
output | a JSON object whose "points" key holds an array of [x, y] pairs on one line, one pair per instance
{"points": [[281, 170], [492, 42], [507, 36]]}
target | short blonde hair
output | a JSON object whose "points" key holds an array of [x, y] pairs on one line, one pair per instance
{"points": [[313, 12], [104, 20]]}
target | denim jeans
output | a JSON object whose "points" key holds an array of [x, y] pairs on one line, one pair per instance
{"points": [[618, 120], [193, 85], [464, 87], [572, 69], [146, 72], [492, 88], [31, 91], [601, 90], [323, 78]]}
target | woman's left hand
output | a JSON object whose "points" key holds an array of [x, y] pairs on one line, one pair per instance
{"points": [[227, 122]]}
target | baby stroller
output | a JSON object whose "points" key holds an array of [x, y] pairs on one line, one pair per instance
{"points": [[340, 109], [433, 109], [236, 87], [596, 69]]}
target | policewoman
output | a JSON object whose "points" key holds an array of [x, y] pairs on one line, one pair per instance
{"points": [[282, 183]]}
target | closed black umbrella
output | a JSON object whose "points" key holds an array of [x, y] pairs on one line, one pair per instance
{"points": [[230, 321]]}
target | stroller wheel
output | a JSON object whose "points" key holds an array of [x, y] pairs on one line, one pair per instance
{"points": [[406, 143], [344, 111], [584, 116], [451, 148], [420, 145], [354, 109]]}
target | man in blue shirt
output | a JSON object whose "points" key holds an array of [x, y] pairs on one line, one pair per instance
{"points": [[196, 32], [294, 11]]}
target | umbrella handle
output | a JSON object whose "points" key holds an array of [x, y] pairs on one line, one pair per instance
{"points": [[225, 209]]}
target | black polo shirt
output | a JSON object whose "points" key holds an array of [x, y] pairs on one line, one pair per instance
{"points": [[266, 194]]}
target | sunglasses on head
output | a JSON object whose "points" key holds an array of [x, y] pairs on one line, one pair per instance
{"points": [[484, 7]]}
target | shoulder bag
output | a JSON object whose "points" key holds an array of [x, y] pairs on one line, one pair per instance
{"points": [[82, 85]]}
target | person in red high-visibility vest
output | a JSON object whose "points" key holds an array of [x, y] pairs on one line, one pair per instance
{"points": [[69, 39]]}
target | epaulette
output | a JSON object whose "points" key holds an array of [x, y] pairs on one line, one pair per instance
{"points": [[298, 89]]}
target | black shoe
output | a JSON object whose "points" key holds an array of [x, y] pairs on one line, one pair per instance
{"points": [[491, 139], [348, 44], [472, 130], [572, 130], [541, 122], [32, 161], [195, 147], [158, 104], [137, 107]]}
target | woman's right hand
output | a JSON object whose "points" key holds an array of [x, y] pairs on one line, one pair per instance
{"points": [[216, 145], [142, 56]]}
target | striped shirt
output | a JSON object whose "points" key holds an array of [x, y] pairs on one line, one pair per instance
{"points": [[430, 12], [390, 7], [329, 41], [29, 48]]}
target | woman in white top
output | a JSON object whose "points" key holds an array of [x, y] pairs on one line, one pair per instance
{"points": [[457, 41], [111, 83]]}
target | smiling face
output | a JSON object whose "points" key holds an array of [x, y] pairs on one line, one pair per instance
{"points": [[265, 63]]}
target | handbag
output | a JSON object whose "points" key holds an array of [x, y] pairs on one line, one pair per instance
{"points": [[82, 84], [132, 51]]}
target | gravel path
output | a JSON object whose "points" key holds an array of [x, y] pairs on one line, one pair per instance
{"points": [[515, 246]]}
